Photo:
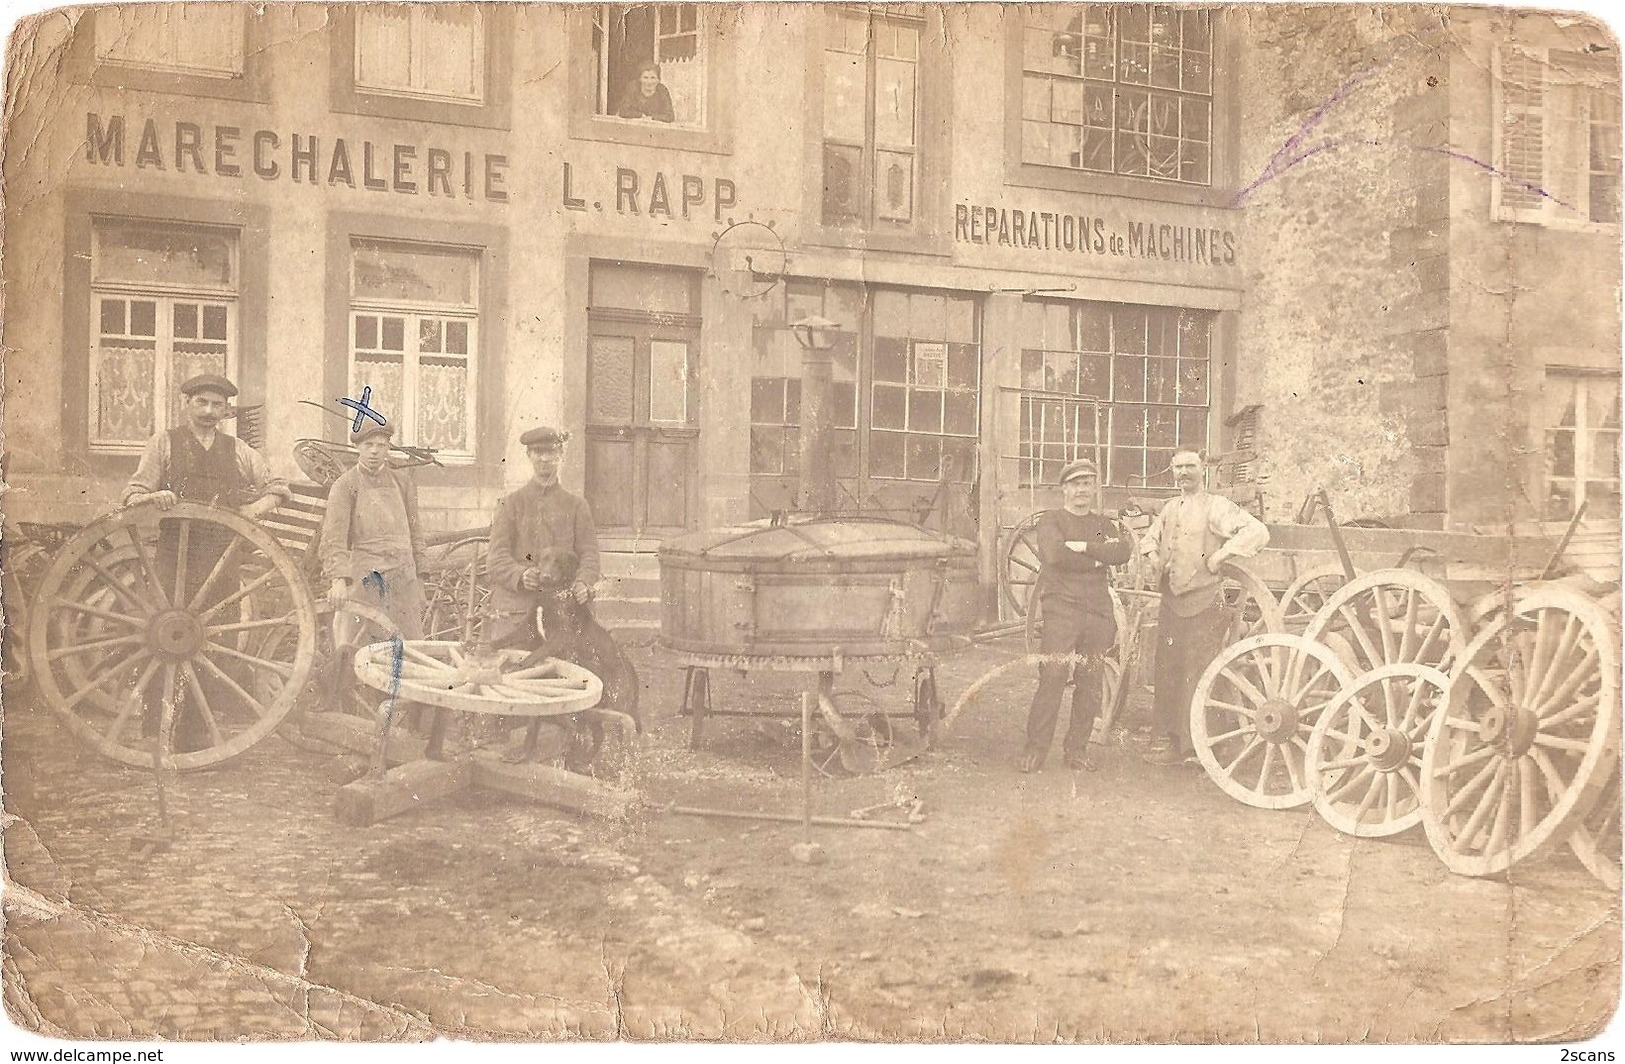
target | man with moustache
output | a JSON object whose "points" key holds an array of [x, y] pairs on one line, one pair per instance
{"points": [[195, 462], [1187, 544], [529, 527], [371, 539], [1077, 545]]}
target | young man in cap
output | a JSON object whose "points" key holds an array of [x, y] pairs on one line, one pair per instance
{"points": [[371, 539], [528, 528], [1185, 548], [195, 462], [1077, 545]]}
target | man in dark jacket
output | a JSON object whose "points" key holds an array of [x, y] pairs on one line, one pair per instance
{"points": [[1077, 544]]}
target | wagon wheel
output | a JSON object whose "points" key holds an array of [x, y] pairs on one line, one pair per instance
{"points": [[1308, 594], [1018, 577], [1254, 608], [440, 673], [870, 736], [319, 460], [1253, 712], [1391, 616], [1596, 842], [1523, 747], [1365, 752], [446, 586], [123, 624]]}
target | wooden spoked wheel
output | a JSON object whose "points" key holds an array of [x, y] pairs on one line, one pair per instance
{"points": [[1254, 711], [1365, 753], [443, 673], [1528, 735], [1251, 605], [1018, 577], [127, 622], [1597, 841], [869, 736], [455, 580], [1309, 593], [1392, 616]]}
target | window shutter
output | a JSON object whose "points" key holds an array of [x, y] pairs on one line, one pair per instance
{"points": [[1568, 171], [1520, 84]]}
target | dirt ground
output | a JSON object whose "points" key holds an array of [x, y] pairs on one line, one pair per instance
{"points": [[1132, 904]]}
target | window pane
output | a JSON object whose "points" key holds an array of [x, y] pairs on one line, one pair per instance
{"points": [[609, 377], [894, 103], [452, 60], [429, 333], [964, 369], [891, 359], [894, 186], [366, 331], [843, 167], [843, 96], [394, 334], [442, 404], [113, 316], [457, 337], [419, 273], [383, 46], [924, 410], [930, 368], [767, 401], [124, 390], [960, 415], [642, 288], [1094, 376], [191, 359], [668, 382], [385, 376], [143, 317], [886, 454], [959, 460], [1128, 379], [891, 314], [888, 407], [924, 457], [214, 322], [766, 450], [961, 326]]}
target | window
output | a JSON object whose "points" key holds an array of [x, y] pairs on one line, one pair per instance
{"points": [[431, 51], [871, 118], [1558, 149], [1122, 385], [197, 39], [649, 63], [163, 308], [906, 394], [1119, 89], [1582, 443], [414, 335]]}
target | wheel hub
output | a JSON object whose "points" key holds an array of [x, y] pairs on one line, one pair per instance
{"points": [[1277, 720], [175, 634], [1388, 748]]}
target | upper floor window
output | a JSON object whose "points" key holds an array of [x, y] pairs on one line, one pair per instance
{"points": [[197, 39], [1558, 151], [1119, 89], [649, 63], [414, 331], [163, 309], [1582, 443], [431, 51], [871, 117]]}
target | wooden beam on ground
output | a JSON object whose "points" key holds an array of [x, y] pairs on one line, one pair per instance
{"points": [[552, 786], [367, 801], [360, 736]]}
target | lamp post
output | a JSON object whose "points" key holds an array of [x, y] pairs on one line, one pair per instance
{"points": [[817, 481]]}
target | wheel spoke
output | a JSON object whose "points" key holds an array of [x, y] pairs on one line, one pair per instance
{"points": [[149, 573], [1583, 672], [1434, 633], [1408, 631], [1385, 629], [1373, 655], [1300, 691], [1464, 724], [119, 588], [241, 593], [1459, 799], [219, 674], [1573, 746], [1392, 789], [1214, 740], [1372, 791], [100, 644], [133, 698], [183, 545], [96, 611], [1292, 772], [1572, 631], [1418, 689], [107, 673], [284, 671], [1528, 814], [196, 685], [1555, 784], [1503, 812], [1342, 763], [1336, 794], [1252, 744], [1575, 709], [1486, 802], [410, 651], [1452, 767], [289, 619], [1245, 686], [1231, 707], [1264, 770], [200, 596], [1414, 782]]}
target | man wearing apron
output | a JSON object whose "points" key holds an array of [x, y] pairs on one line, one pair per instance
{"points": [[195, 462], [371, 539]]}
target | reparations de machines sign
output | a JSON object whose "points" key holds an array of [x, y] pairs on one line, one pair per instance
{"points": [[1081, 234]]}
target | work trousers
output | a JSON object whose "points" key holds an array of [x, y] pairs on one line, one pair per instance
{"points": [[1185, 647], [1069, 630]]}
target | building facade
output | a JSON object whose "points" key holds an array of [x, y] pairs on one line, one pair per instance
{"points": [[1374, 250]]}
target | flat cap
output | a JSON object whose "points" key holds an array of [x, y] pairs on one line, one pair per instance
{"points": [[369, 429], [1082, 467], [545, 436], [209, 382]]}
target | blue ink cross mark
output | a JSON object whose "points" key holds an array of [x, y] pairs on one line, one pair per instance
{"points": [[362, 410]]}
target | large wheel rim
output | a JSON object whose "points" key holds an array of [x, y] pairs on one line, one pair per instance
{"points": [[1308, 595], [1393, 616], [1596, 842], [1254, 609], [1365, 753], [1018, 578], [444, 673], [446, 581], [1254, 711], [1523, 748], [187, 654]]}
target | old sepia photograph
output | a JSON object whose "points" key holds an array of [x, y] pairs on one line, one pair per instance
{"points": [[1067, 523]]}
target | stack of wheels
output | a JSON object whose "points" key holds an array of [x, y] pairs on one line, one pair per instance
{"points": [[1525, 750]]}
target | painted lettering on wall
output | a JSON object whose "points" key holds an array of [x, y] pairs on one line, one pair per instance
{"points": [[1051, 231], [656, 195], [229, 151]]}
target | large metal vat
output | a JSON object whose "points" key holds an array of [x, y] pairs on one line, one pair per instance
{"points": [[815, 587]]}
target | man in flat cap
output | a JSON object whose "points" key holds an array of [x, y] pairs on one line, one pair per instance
{"points": [[195, 462], [1186, 546], [371, 540], [1077, 545], [529, 529]]}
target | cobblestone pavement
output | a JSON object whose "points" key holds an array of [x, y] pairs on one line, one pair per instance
{"points": [[1129, 904]]}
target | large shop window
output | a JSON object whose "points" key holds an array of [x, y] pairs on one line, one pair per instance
{"points": [[1558, 145], [649, 63], [1119, 89], [414, 335], [1582, 443], [1122, 385], [163, 308], [906, 396], [203, 40], [871, 117], [428, 51]]}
